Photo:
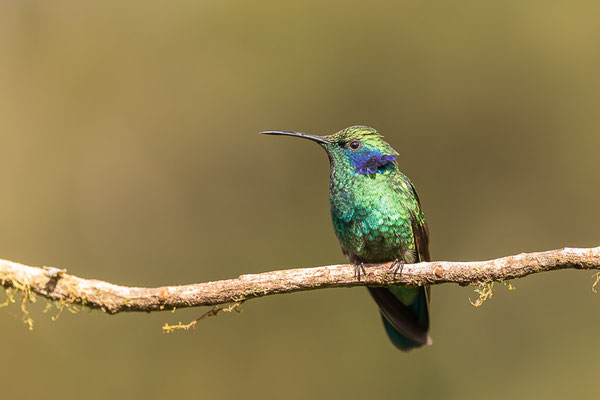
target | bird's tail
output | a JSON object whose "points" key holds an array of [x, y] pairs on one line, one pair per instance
{"points": [[405, 314]]}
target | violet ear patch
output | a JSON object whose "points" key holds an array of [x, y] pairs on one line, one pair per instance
{"points": [[369, 163]]}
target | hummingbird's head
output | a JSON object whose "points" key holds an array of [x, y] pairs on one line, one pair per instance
{"points": [[357, 149]]}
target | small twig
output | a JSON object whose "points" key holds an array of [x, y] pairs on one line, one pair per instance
{"points": [[213, 312]]}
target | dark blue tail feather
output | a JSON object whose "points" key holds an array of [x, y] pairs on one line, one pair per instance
{"points": [[401, 342], [405, 324]]}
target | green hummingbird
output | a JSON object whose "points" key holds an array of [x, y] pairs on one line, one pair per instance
{"points": [[377, 218]]}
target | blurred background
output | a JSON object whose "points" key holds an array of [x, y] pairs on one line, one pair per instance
{"points": [[130, 153]]}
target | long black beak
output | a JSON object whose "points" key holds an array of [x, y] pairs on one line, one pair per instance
{"points": [[314, 138]]}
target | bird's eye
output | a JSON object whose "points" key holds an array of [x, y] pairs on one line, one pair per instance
{"points": [[354, 144]]}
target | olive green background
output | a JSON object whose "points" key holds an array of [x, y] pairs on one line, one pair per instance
{"points": [[130, 153]]}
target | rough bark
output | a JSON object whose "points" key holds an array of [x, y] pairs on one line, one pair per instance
{"points": [[56, 284]]}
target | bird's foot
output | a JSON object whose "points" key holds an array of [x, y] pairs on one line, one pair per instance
{"points": [[397, 266], [358, 268]]}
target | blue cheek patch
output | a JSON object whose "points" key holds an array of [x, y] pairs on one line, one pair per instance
{"points": [[370, 162]]}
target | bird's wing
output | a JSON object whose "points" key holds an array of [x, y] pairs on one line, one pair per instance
{"points": [[421, 237], [420, 230]]}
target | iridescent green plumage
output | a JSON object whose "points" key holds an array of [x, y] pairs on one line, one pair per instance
{"points": [[377, 218]]}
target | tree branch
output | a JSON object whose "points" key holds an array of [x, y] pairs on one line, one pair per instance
{"points": [[57, 285]]}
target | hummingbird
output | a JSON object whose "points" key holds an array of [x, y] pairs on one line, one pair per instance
{"points": [[377, 218]]}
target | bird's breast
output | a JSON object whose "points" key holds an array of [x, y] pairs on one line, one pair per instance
{"points": [[373, 226]]}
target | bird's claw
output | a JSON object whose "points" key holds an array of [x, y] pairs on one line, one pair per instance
{"points": [[396, 266], [358, 267]]}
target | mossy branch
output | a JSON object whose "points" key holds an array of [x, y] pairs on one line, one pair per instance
{"points": [[57, 285]]}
